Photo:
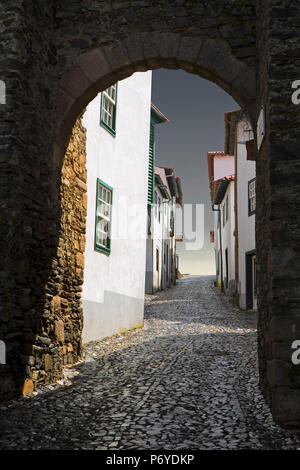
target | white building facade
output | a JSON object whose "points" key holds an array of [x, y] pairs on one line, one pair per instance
{"points": [[246, 205], [117, 123], [221, 176], [164, 195], [233, 196], [161, 243]]}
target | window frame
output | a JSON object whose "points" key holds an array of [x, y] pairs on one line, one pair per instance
{"points": [[98, 246], [251, 211], [105, 95]]}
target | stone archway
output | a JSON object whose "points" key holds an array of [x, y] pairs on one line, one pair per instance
{"points": [[97, 69], [59, 58]]}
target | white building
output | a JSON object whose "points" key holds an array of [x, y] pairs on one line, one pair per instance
{"points": [[118, 124], [164, 194], [161, 243], [232, 184], [246, 205], [221, 175]]}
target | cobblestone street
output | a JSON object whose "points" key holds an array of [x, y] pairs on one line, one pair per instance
{"points": [[188, 380]]}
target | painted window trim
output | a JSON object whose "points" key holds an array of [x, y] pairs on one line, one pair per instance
{"points": [[249, 205], [97, 246], [111, 130]]}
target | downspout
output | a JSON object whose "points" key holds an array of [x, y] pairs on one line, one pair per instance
{"points": [[236, 230]]}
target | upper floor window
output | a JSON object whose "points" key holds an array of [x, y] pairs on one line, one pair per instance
{"points": [[251, 196], [109, 108], [103, 217]]}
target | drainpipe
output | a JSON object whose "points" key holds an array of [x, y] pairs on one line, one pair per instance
{"points": [[220, 225], [236, 228]]}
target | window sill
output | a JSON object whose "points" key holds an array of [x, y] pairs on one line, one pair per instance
{"points": [[102, 249], [109, 129]]}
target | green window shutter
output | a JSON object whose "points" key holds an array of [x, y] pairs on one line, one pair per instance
{"points": [[151, 167]]}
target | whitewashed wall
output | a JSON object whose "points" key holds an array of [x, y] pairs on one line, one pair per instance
{"points": [[113, 289], [246, 223], [223, 166], [157, 236], [228, 240]]}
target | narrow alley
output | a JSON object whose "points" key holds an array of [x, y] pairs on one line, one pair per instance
{"points": [[187, 380]]}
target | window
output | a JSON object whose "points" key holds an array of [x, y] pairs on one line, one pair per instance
{"points": [[103, 217], [251, 196], [226, 207], [157, 260], [223, 209], [108, 109]]}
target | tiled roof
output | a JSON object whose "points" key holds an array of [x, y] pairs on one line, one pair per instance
{"points": [[218, 188]]}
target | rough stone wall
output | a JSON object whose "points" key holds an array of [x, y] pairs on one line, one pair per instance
{"points": [[68, 267], [28, 204], [263, 241], [102, 21], [278, 234]]}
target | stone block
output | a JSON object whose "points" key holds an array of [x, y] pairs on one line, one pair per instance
{"points": [[56, 304], [286, 406], [75, 82], [135, 48], [59, 331], [152, 46], [284, 329], [80, 260], [189, 49], [282, 351], [169, 45], [81, 184], [94, 64], [28, 387], [35, 375], [116, 55], [278, 373], [48, 362]]}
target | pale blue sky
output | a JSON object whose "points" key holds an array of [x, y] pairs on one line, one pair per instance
{"points": [[195, 108]]}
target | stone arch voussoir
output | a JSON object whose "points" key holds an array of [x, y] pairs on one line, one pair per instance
{"points": [[99, 68]]}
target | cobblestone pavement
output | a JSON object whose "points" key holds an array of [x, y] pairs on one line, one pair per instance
{"points": [[188, 380]]}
